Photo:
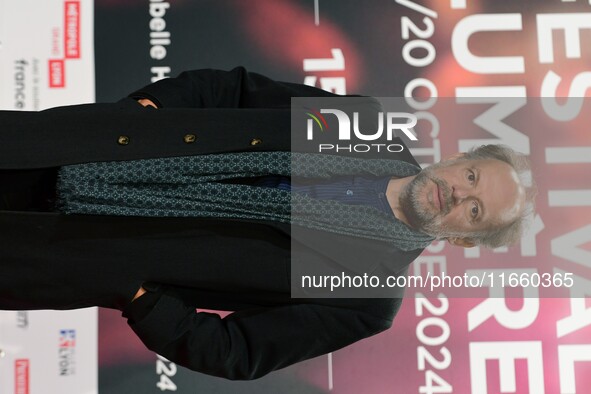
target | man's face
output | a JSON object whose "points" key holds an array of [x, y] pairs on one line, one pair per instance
{"points": [[457, 197]]}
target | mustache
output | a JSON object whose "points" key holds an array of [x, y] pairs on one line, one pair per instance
{"points": [[445, 193]]}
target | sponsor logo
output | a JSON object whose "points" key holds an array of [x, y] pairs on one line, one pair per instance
{"points": [[20, 83], [67, 352], [57, 74], [22, 319], [72, 29], [21, 376]]}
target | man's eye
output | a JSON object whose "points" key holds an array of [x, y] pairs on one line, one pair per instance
{"points": [[474, 210], [471, 176]]}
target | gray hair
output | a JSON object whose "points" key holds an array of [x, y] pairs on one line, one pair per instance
{"points": [[508, 233]]}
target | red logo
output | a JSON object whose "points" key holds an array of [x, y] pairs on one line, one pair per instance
{"points": [[21, 376], [72, 29], [57, 74]]}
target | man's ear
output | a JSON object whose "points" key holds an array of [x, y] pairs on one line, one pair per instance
{"points": [[464, 242]]}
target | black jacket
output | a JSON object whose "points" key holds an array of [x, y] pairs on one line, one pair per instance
{"points": [[238, 265]]}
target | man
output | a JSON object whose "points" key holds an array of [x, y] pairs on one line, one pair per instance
{"points": [[148, 221]]}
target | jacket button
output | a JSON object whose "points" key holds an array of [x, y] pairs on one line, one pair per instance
{"points": [[255, 141], [189, 138], [123, 140]]}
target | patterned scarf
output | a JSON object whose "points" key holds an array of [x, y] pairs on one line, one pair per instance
{"points": [[187, 187]]}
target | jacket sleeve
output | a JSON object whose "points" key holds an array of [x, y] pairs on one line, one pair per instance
{"points": [[250, 343], [237, 88]]}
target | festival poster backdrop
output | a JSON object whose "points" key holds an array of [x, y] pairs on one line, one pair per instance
{"points": [[433, 52]]}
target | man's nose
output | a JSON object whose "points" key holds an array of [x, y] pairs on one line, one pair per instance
{"points": [[458, 194]]}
